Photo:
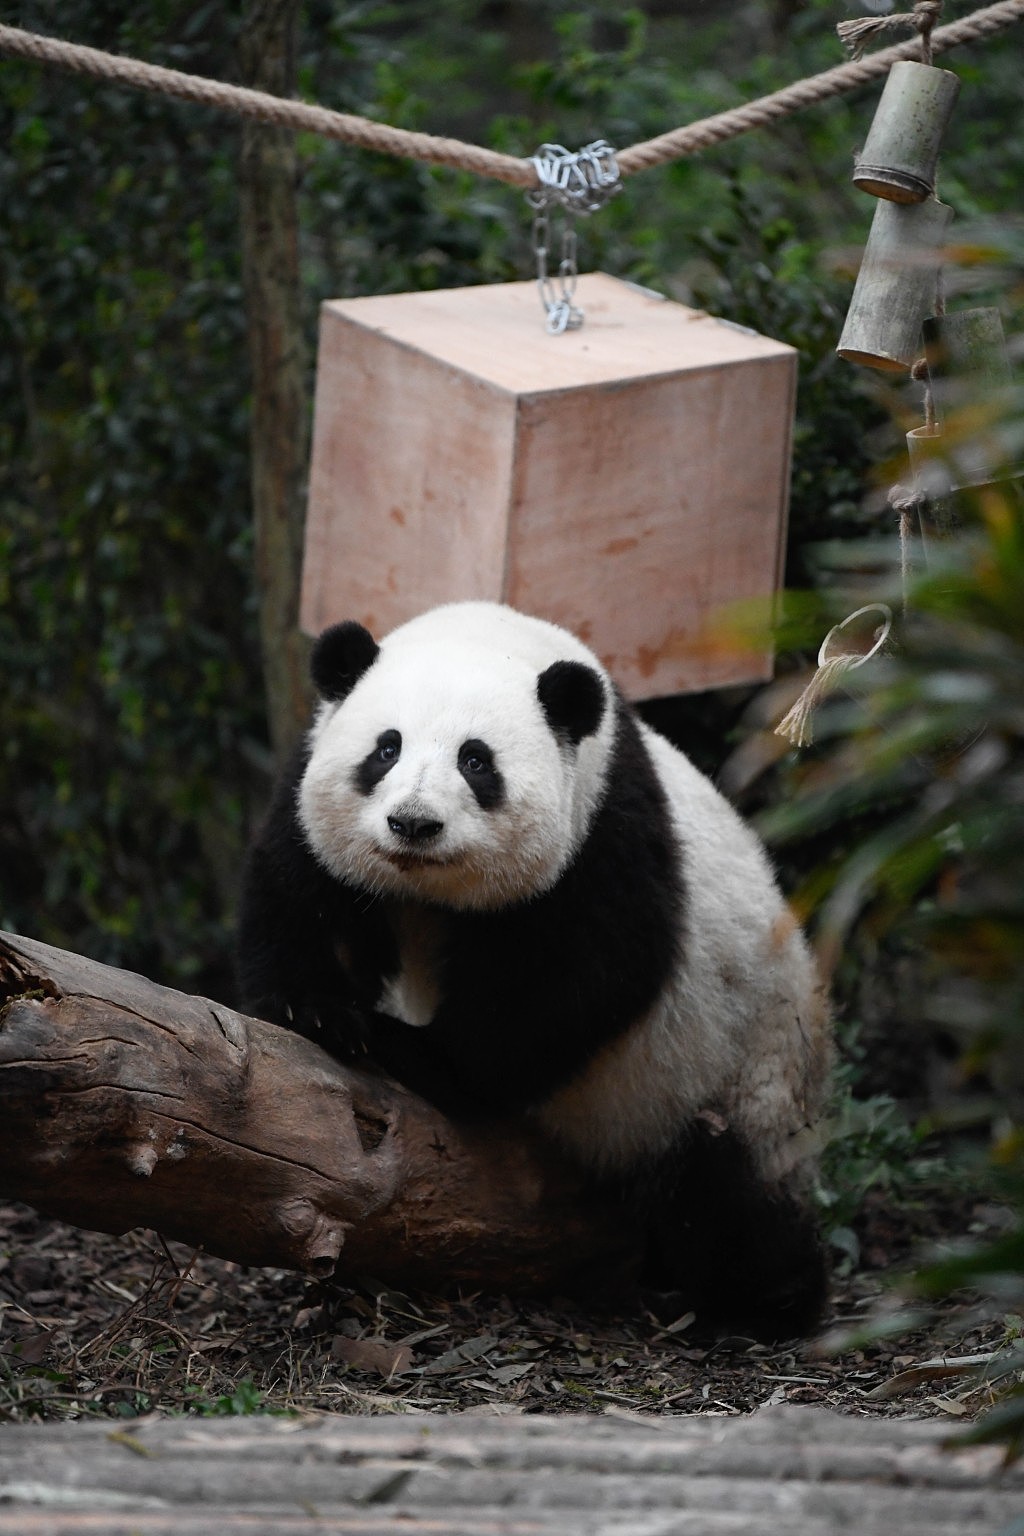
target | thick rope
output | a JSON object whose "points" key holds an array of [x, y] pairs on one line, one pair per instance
{"points": [[366, 134], [807, 93], [265, 108]]}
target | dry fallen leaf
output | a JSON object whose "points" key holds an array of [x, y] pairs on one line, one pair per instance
{"points": [[372, 1355], [31, 1347], [951, 1405], [461, 1355], [507, 1373], [930, 1370]]}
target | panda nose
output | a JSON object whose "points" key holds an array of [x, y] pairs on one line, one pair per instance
{"points": [[414, 829]]}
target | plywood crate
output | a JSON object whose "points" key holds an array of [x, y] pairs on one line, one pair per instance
{"points": [[627, 479]]}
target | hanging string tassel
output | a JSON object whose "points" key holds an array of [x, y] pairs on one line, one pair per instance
{"points": [[797, 725]]}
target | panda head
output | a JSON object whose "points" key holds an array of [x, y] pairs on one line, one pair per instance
{"points": [[461, 761]]}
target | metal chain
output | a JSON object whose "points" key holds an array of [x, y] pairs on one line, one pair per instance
{"points": [[577, 183], [562, 313]]}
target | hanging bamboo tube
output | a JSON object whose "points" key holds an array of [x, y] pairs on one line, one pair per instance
{"points": [[969, 381], [896, 285], [966, 355], [901, 152]]}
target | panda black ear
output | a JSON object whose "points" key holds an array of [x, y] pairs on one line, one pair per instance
{"points": [[340, 657], [572, 697]]}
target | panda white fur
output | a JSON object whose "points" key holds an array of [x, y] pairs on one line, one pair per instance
{"points": [[485, 870]]}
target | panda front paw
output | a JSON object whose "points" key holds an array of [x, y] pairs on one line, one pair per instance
{"points": [[342, 1030]]}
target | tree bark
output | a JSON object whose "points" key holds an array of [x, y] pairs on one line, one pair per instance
{"points": [[124, 1104], [279, 429]]}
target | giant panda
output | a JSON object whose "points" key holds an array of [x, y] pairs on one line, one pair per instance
{"points": [[487, 872]]}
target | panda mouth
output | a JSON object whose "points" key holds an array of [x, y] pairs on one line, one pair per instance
{"points": [[409, 861]]}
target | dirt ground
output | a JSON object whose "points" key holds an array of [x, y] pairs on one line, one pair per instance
{"points": [[93, 1324]]}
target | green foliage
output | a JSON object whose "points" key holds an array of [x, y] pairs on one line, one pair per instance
{"points": [[245, 1398], [871, 1146], [917, 789], [125, 630], [937, 744]]}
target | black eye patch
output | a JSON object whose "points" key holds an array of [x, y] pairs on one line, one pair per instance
{"points": [[378, 762], [477, 766]]}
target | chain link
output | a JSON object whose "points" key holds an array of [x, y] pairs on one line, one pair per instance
{"points": [[577, 183]]}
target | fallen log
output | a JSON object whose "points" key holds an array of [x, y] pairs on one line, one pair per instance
{"points": [[126, 1104]]}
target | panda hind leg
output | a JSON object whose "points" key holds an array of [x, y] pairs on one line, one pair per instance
{"points": [[742, 1255]]}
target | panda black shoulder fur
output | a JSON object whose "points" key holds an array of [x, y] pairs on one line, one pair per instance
{"points": [[485, 869]]}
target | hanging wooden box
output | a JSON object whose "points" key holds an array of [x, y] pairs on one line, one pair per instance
{"points": [[626, 480]]}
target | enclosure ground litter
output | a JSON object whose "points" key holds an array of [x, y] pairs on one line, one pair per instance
{"points": [[92, 1324]]}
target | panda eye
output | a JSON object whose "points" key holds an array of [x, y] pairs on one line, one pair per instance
{"points": [[481, 773], [378, 762], [475, 758]]}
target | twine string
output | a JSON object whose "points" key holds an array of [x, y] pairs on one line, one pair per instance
{"points": [[909, 504]]}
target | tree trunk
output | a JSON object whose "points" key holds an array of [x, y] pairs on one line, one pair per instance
{"points": [[280, 410], [123, 1104]]}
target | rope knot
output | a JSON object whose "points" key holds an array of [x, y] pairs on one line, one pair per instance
{"points": [[906, 498], [855, 35]]}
